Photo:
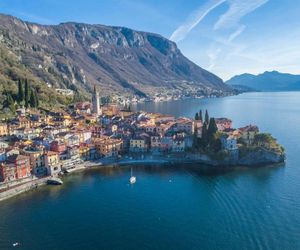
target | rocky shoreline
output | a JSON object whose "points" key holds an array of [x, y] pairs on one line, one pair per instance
{"points": [[259, 158]]}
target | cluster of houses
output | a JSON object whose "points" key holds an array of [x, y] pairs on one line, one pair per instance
{"points": [[43, 144]]}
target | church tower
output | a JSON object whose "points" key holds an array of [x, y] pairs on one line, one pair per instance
{"points": [[96, 102]]}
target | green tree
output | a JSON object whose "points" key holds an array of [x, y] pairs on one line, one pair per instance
{"points": [[212, 128], [33, 99], [10, 103], [204, 138], [197, 116], [195, 137], [206, 117], [77, 97], [26, 94], [200, 115], [37, 99], [216, 145], [20, 92]]}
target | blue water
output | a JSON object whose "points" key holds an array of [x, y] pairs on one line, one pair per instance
{"points": [[169, 207]]}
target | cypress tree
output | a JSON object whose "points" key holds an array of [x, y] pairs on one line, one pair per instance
{"points": [[200, 115], [20, 92], [212, 128], [206, 117], [26, 94], [37, 99], [32, 100], [204, 140], [195, 137], [196, 116], [10, 102]]}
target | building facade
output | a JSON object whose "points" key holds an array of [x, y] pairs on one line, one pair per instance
{"points": [[16, 167]]}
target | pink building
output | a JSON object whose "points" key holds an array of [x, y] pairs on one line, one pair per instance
{"points": [[15, 168], [58, 147]]}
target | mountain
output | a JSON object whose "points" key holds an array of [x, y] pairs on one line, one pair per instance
{"points": [[242, 88], [117, 60], [267, 81]]}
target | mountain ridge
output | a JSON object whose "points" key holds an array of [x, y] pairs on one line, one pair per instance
{"points": [[117, 59], [267, 81]]}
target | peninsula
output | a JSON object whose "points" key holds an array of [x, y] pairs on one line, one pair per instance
{"points": [[39, 144]]}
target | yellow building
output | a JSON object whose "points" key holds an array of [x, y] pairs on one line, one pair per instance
{"points": [[114, 128], [61, 122], [3, 129], [52, 162], [111, 109], [155, 118], [37, 161], [108, 147], [24, 122], [84, 152], [138, 145]]}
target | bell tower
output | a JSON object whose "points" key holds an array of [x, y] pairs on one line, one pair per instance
{"points": [[96, 102]]}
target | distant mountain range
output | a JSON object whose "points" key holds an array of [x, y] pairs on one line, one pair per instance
{"points": [[78, 56], [267, 81]]}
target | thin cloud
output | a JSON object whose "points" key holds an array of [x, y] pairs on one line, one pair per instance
{"points": [[236, 33], [237, 10], [183, 30], [231, 20], [228, 26], [212, 54]]}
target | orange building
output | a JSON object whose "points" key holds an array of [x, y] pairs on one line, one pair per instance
{"points": [[108, 147]]}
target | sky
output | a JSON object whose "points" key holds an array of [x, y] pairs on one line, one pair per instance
{"points": [[226, 37]]}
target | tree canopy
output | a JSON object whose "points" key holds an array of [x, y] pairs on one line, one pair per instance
{"points": [[20, 92], [206, 117], [212, 127], [33, 101], [26, 94], [200, 115]]}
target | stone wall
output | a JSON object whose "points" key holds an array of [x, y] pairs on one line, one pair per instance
{"points": [[22, 188]]}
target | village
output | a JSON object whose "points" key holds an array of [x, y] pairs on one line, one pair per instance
{"points": [[38, 144]]}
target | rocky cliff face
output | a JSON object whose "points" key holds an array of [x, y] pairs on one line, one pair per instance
{"points": [[118, 60], [261, 157], [251, 158]]}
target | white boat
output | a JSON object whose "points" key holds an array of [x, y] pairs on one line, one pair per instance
{"points": [[132, 179]]}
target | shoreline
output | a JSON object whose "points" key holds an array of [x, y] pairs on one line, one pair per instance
{"points": [[22, 188], [187, 158]]}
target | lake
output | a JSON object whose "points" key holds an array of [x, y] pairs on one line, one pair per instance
{"points": [[173, 207]]}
